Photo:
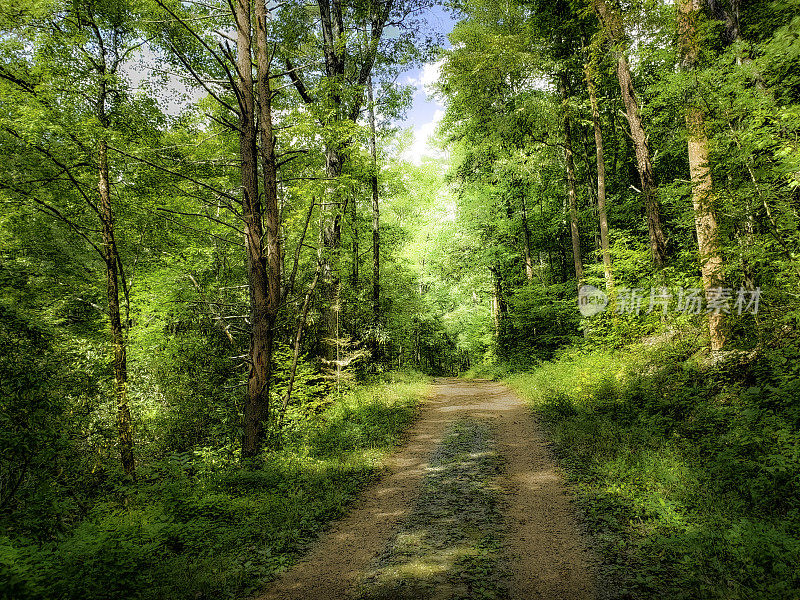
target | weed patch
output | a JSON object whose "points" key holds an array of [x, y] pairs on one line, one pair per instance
{"points": [[200, 526], [687, 472]]}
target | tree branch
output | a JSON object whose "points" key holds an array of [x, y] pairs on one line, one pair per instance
{"points": [[175, 173], [298, 83]]}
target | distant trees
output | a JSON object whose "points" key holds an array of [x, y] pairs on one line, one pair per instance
{"points": [[90, 142], [213, 231], [698, 90], [341, 45]]}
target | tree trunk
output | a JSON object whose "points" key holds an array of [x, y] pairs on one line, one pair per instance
{"points": [[331, 233], [112, 260], [498, 303], [331, 21], [601, 179], [711, 265], [526, 239], [571, 185], [613, 23], [271, 211], [728, 14], [354, 233], [658, 246], [269, 169], [376, 232], [334, 46], [256, 405], [113, 267], [298, 336]]}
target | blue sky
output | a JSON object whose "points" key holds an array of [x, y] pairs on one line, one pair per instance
{"points": [[425, 112], [421, 119]]}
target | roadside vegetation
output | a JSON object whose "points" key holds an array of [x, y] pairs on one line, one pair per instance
{"points": [[198, 524], [644, 153], [214, 260], [686, 468]]}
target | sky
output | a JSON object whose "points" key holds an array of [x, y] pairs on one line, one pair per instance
{"points": [[426, 112], [421, 119]]}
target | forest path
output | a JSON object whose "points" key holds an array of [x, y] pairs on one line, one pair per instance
{"points": [[545, 554]]}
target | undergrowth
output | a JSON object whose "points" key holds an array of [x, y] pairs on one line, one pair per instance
{"points": [[687, 469], [198, 525]]}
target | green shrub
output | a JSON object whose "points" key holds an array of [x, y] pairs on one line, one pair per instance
{"points": [[688, 470], [198, 525]]}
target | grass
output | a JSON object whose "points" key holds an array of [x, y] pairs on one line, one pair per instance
{"points": [[449, 547], [202, 527], [485, 370], [687, 472]]}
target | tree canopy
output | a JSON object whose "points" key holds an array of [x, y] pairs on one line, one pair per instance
{"points": [[209, 236]]}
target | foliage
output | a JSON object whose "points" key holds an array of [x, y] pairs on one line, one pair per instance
{"points": [[200, 526], [675, 458], [685, 468]]}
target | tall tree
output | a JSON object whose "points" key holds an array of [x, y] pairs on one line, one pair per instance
{"points": [[711, 265], [611, 18], [263, 272], [338, 100], [591, 85], [86, 43], [572, 194], [376, 222], [252, 110]]}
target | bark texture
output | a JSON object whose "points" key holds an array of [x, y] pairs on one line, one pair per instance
{"points": [[611, 19], [112, 260], [601, 179], [376, 231], [526, 239], [711, 265], [571, 184], [256, 404]]}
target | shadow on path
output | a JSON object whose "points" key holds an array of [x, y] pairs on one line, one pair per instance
{"points": [[546, 555]]}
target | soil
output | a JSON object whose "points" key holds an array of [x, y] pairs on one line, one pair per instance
{"points": [[545, 553]]}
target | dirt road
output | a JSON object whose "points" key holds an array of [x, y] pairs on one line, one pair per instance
{"points": [[545, 555]]}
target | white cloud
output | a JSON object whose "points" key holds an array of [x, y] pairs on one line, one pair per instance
{"points": [[425, 114], [421, 146], [429, 75]]}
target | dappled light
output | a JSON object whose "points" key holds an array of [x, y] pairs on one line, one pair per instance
{"points": [[385, 299], [450, 542]]}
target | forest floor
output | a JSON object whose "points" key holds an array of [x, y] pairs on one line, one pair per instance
{"points": [[470, 506]]}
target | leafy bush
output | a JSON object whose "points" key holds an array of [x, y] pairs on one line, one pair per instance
{"points": [[199, 525], [538, 323], [686, 468]]}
